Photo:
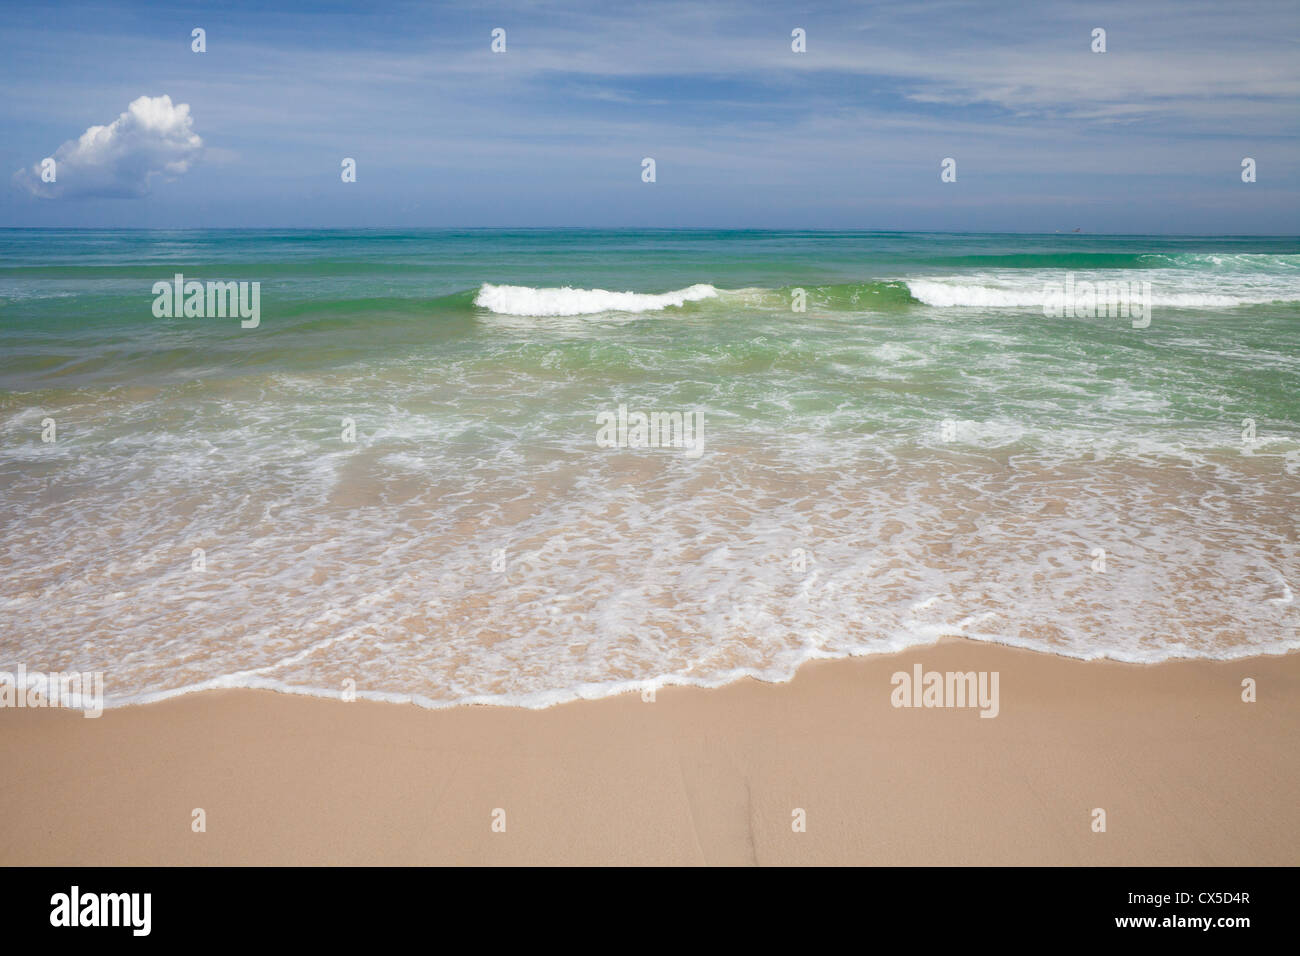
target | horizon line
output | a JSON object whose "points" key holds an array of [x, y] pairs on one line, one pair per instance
{"points": [[675, 229]]}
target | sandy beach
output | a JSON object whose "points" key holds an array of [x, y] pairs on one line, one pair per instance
{"points": [[1186, 772]]}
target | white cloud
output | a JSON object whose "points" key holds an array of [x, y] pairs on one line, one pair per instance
{"points": [[152, 138]]}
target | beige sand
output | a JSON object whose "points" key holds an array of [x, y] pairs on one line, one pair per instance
{"points": [[1186, 771]]}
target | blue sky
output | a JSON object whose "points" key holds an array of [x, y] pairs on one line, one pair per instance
{"points": [[1147, 137]]}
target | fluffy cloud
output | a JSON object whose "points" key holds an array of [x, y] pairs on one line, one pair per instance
{"points": [[152, 138]]}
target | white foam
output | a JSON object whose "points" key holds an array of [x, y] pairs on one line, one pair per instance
{"points": [[946, 294], [1028, 290], [526, 300]]}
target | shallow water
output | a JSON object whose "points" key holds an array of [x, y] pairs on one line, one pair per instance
{"points": [[921, 452]]}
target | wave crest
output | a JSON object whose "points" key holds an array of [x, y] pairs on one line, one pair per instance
{"points": [[525, 300], [1033, 293]]}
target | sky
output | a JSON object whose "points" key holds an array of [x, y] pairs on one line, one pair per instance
{"points": [[1046, 134]]}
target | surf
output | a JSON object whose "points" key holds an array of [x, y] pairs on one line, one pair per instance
{"points": [[529, 301]]}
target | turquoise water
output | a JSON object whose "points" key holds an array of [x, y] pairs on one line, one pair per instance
{"points": [[920, 451]]}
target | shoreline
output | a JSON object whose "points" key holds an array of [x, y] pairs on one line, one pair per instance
{"points": [[635, 687], [1187, 773]]}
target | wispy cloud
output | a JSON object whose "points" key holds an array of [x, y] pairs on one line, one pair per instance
{"points": [[558, 125]]}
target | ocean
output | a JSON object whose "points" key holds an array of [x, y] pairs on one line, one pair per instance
{"points": [[422, 473]]}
